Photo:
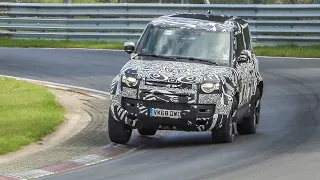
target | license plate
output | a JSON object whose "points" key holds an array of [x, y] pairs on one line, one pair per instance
{"points": [[175, 114]]}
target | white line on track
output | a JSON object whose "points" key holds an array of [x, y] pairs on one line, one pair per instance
{"points": [[58, 84]]}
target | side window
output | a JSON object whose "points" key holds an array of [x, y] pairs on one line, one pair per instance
{"points": [[145, 38], [247, 38], [149, 39], [240, 44]]}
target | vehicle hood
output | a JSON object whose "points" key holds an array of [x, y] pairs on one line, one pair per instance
{"points": [[175, 71]]}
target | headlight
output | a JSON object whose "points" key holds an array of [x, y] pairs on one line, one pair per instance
{"points": [[129, 81], [210, 87]]}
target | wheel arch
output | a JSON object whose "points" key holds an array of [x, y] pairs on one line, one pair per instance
{"points": [[260, 87], [114, 85], [236, 95]]}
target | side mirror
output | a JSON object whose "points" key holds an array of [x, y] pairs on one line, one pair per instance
{"points": [[242, 58], [129, 47]]}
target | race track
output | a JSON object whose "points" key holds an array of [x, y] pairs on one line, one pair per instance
{"points": [[286, 145]]}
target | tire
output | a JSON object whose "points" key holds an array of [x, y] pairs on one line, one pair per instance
{"points": [[147, 131], [250, 123], [226, 133], [118, 132]]}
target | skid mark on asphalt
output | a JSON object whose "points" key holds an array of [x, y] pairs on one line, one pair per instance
{"points": [[290, 138]]}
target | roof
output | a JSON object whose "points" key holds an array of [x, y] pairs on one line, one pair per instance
{"points": [[200, 21], [205, 17]]}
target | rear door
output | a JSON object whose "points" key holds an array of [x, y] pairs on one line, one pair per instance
{"points": [[251, 64], [244, 69]]}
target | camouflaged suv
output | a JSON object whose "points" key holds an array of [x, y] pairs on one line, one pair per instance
{"points": [[188, 72]]}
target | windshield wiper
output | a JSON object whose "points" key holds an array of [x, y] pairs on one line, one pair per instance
{"points": [[177, 57], [157, 56], [198, 59]]}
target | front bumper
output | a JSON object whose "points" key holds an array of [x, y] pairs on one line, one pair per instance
{"points": [[194, 117]]}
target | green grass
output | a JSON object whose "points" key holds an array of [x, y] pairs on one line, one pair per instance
{"points": [[289, 51], [60, 44], [28, 112], [282, 51], [70, 1]]}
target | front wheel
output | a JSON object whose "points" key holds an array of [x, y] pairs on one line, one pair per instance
{"points": [[118, 131], [250, 123], [226, 133]]}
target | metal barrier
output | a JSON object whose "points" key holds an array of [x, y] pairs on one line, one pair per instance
{"points": [[270, 24]]}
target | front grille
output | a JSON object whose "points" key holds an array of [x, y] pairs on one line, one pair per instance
{"points": [[164, 105], [145, 93], [169, 84]]}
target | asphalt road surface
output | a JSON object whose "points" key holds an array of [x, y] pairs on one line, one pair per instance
{"points": [[286, 146]]}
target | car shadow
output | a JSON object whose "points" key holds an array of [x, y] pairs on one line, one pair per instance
{"points": [[178, 139]]}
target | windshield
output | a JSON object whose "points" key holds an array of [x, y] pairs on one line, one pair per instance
{"points": [[191, 43]]}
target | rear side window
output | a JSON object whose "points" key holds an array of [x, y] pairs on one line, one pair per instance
{"points": [[247, 38], [240, 44]]}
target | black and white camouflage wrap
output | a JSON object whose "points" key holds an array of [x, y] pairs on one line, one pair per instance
{"points": [[165, 81]]}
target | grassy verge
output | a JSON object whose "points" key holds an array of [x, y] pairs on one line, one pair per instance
{"points": [[28, 112], [289, 51], [59, 44], [282, 51], [69, 1]]}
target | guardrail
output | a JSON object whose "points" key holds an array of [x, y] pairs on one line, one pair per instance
{"points": [[270, 24]]}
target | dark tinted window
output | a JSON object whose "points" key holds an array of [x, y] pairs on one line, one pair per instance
{"points": [[240, 44], [247, 38]]}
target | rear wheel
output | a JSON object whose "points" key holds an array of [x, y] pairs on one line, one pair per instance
{"points": [[250, 123], [147, 131], [226, 133], [118, 131]]}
